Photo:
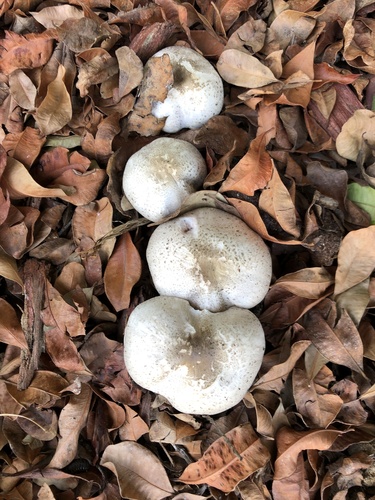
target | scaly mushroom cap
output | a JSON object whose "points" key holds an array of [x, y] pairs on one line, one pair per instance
{"points": [[202, 362], [210, 258], [159, 176], [197, 93]]}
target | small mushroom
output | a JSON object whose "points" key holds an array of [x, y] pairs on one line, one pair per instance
{"points": [[197, 92], [159, 176], [210, 258], [202, 362]]}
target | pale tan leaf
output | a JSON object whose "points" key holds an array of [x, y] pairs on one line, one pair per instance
{"points": [[229, 460], [130, 70], [139, 472], [357, 134], [310, 282], [8, 268], [22, 89], [356, 259], [51, 17], [55, 110], [72, 420], [244, 70]]}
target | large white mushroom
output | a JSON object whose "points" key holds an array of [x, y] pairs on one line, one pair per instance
{"points": [[202, 362], [159, 176], [211, 258], [197, 92]]}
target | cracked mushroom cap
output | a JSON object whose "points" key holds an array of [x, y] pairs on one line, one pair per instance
{"points": [[197, 93], [159, 176], [202, 362], [210, 258]]}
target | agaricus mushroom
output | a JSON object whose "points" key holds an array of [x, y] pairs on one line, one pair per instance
{"points": [[197, 92], [159, 176], [210, 258], [202, 362]]}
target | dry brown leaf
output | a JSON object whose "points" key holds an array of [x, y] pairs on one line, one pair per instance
{"points": [[275, 377], [24, 146], [231, 9], [10, 328], [244, 70], [55, 111], [318, 408], [290, 443], [311, 282], [253, 171], [139, 473], [134, 426], [338, 340], [167, 430], [97, 70], [122, 272], [229, 460], [289, 26], [277, 202], [356, 259], [38, 423], [72, 420]]}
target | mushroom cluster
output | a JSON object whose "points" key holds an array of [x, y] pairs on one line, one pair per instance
{"points": [[197, 344]]}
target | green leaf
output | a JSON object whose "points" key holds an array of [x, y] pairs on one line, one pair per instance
{"points": [[363, 196]]}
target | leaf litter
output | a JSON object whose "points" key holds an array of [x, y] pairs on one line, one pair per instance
{"points": [[292, 153]]}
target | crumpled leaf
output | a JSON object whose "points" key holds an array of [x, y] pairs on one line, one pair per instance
{"points": [[139, 473], [311, 282], [243, 70], [22, 89], [51, 17], [8, 268], [122, 272], [357, 134], [130, 70], [55, 111], [229, 460]]}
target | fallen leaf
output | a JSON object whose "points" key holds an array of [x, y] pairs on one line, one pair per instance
{"points": [[10, 328], [357, 134], [55, 111], [291, 443], [72, 420], [139, 473], [229, 460], [22, 89], [50, 17], [122, 272], [8, 268], [130, 70], [311, 282], [253, 171], [243, 70]]}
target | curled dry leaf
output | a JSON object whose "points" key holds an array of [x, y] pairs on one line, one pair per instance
{"points": [[50, 17], [130, 70], [22, 89], [290, 443], [310, 283], [229, 460], [139, 473], [357, 134], [244, 70], [8, 268], [72, 420], [122, 272]]}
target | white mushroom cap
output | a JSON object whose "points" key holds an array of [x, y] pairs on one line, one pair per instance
{"points": [[197, 93], [211, 258], [159, 176], [202, 362]]}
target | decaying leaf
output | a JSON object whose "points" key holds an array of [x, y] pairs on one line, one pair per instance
{"points": [[228, 460], [357, 134]]}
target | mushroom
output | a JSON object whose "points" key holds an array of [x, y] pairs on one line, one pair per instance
{"points": [[202, 362], [159, 176], [210, 258], [197, 92]]}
